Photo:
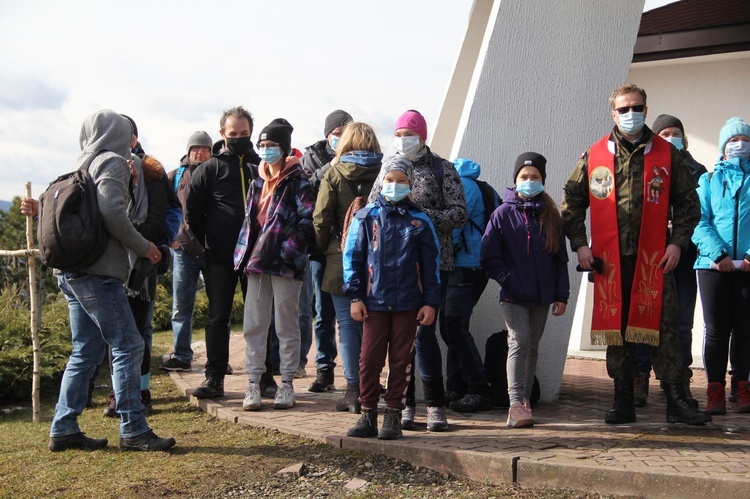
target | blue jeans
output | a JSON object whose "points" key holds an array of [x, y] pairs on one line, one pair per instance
{"points": [[100, 318], [185, 273], [350, 338], [325, 319]]}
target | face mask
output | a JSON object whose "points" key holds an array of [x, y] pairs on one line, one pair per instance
{"points": [[334, 142], [238, 145], [676, 141], [631, 123], [408, 146], [394, 191], [529, 188], [270, 154], [738, 149]]}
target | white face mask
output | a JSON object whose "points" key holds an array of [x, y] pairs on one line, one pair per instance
{"points": [[737, 149], [408, 146]]}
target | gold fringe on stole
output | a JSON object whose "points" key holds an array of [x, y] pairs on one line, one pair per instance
{"points": [[606, 337], [642, 335]]}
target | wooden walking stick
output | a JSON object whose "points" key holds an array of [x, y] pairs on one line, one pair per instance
{"points": [[34, 295]]}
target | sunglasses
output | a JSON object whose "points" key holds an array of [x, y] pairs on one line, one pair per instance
{"points": [[637, 109]]}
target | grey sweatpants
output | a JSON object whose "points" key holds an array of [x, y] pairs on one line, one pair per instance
{"points": [[268, 295], [525, 328]]}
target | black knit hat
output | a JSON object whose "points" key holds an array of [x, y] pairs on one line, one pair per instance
{"points": [[531, 159], [336, 119], [666, 121], [279, 131], [132, 124]]}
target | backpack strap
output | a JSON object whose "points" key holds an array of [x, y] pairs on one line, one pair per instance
{"points": [[437, 166]]}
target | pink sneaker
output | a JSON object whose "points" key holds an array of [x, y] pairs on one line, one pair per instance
{"points": [[519, 416]]}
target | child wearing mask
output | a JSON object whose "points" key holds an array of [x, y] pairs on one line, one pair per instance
{"points": [[272, 252], [392, 278], [523, 250]]}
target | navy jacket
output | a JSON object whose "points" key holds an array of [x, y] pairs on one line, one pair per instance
{"points": [[392, 258], [513, 254]]}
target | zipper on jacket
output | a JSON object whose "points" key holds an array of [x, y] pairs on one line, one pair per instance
{"points": [[736, 216]]}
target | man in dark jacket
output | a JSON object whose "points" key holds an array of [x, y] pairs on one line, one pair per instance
{"points": [[215, 209]]}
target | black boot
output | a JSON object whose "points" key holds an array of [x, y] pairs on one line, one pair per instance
{"points": [[211, 388], [640, 390], [366, 425], [623, 410], [323, 381], [350, 402], [679, 409], [689, 376]]}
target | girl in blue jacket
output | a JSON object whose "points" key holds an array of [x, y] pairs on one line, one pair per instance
{"points": [[723, 240], [523, 250]]}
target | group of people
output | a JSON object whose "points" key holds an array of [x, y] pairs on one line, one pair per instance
{"points": [[387, 249]]}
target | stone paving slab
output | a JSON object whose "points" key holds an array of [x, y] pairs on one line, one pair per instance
{"points": [[569, 446]]}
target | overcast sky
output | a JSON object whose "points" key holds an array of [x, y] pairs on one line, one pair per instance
{"points": [[175, 66]]}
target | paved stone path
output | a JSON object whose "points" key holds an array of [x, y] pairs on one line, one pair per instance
{"points": [[569, 446]]}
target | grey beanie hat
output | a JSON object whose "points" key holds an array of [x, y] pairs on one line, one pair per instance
{"points": [[400, 163], [199, 138], [336, 119]]}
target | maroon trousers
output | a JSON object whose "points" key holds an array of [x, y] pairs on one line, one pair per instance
{"points": [[394, 334]]}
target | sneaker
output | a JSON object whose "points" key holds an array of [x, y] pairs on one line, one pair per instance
{"points": [[301, 373], [76, 441], [323, 381], [519, 416], [391, 429], [148, 408], [436, 420], [366, 426], [407, 417], [147, 442], [176, 365], [110, 411], [211, 388], [252, 398], [715, 403], [471, 402], [268, 387], [284, 396]]}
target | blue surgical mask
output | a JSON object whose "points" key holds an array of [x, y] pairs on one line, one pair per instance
{"points": [[270, 154], [631, 123], [738, 149], [395, 192], [334, 142], [529, 188], [676, 141]]}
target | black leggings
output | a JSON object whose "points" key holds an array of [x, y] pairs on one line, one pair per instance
{"points": [[726, 313]]}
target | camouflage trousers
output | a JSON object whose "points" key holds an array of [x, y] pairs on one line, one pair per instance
{"points": [[667, 357]]}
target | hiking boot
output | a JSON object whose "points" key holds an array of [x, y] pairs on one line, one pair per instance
{"points": [[90, 399], [76, 441], [366, 426], [176, 365], [147, 442], [268, 387], [451, 395], [743, 396], [436, 420], [284, 396], [148, 408], [110, 411], [623, 410], [391, 429], [471, 402], [350, 402], [640, 390], [407, 417], [323, 381], [211, 388], [715, 403], [519, 416], [679, 409], [252, 398], [300, 372]]}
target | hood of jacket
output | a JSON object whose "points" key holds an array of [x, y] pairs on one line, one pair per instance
{"points": [[105, 130], [467, 168]]}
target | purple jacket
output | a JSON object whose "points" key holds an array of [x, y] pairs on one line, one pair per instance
{"points": [[513, 254]]}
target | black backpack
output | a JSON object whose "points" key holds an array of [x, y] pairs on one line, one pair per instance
{"points": [[70, 230], [491, 201], [495, 362]]}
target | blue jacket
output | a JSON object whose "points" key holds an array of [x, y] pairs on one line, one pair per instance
{"points": [[513, 254], [467, 241], [392, 258], [724, 228]]}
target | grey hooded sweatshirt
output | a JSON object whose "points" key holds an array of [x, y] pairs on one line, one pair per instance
{"points": [[107, 130]]}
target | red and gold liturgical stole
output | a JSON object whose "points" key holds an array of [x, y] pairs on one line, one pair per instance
{"points": [[648, 282]]}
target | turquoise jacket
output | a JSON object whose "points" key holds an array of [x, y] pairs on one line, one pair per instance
{"points": [[724, 228]]}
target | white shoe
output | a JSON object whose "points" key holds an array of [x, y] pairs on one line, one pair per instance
{"points": [[519, 416], [407, 418], [252, 398], [436, 419], [300, 373], [284, 396]]}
